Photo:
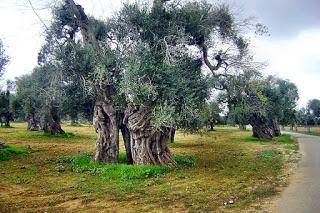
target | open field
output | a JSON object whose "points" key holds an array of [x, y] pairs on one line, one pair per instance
{"points": [[314, 130], [54, 174]]}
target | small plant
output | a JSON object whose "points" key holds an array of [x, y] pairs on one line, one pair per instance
{"points": [[267, 155], [65, 159], [185, 160], [60, 168]]}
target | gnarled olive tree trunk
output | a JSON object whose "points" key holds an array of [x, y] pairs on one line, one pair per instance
{"points": [[33, 121], [261, 127], [148, 146], [172, 133], [107, 127], [127, 141], [51, 121]]}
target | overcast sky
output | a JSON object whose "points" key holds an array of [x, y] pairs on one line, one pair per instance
{"points": [[292, 51]]}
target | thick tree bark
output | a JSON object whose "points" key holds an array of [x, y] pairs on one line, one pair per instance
{"points": [[106, 118], [211, 126], [107, 127], [261, 127], [148, 146], [33, 121], [275, 127], [127, 143], [51, 123], [172, 133]]}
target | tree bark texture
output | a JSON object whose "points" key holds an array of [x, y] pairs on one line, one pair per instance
{"points": [[107, 127], [127, 143], [261, 127], [172, 134], [51, 123], [148, 146], [33, 121], [275, 127]]}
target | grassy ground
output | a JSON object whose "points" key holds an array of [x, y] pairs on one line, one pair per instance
{"points": [[314, 130], [55, 174]]}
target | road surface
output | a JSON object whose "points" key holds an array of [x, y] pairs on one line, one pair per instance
{"points": [[303, 193]]}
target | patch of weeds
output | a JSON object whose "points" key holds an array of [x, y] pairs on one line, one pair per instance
{"points": [[254, 139], [65, 159], [8, 152], [183, 176], [60, 168], [286, 139], [185, 160], [267, 155], [115, 171], [239, 153]]}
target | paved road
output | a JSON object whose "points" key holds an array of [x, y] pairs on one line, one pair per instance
{"points": [[303, 193]]}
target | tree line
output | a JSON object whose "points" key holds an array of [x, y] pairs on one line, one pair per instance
{"points": [[146, 71]]}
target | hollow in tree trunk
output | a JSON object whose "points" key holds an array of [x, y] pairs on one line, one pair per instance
{"points": [[51, 123], [148, 146], [261, 127], [33, 121]]}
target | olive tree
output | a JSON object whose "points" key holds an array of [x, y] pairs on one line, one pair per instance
{"points": [[142, 70]]}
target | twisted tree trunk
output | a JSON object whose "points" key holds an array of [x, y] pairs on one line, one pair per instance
{"points": [[261, 127], [172, 134], [275, 127], [33, 121], [51, 123], [148, 146], [127, 143], [107, 148]]}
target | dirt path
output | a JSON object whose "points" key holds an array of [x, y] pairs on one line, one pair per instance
{"points": [[303, 193]]}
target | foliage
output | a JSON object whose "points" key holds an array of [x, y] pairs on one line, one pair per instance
{"points": [[4, 59]]}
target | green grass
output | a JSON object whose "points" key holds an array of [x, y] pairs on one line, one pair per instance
{"points": [[48, 135], [8, 152], [212, 167], [185, 160], [120, 171], [285, 139]]}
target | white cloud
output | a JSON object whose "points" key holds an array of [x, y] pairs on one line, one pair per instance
{"points": [[297, 59]]}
